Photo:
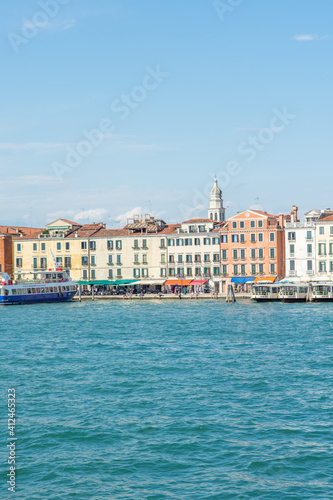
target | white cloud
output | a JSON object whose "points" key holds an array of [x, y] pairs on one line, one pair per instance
{"points": [[121, 219], [92, 215], [256, 206], [310, 38]]}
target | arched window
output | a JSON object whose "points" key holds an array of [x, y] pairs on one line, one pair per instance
{"points": [[211, 216]]}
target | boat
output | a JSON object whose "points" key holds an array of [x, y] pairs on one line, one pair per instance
{"points": [[264, 292], [294, 292], [45, 286], [321, 292]]}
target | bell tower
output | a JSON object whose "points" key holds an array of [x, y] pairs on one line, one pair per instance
{"points": [[216, 210]]}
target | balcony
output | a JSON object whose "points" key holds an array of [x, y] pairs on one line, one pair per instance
{"points": [[310, 272], [292, 273], [110, 263]]}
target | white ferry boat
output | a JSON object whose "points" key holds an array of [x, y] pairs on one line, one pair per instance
{"points": [[263, 292], [46, 286], [294, 292], [321, 292]]}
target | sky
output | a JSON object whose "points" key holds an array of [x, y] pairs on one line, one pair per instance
{"points": [[113, 108]]}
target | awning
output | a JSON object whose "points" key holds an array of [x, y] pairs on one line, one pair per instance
{"points": [[110, 283], [242, 280], [265, 279], [198, 282], [178, 282], [149, 282]]}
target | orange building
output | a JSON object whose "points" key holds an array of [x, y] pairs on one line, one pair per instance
{"points": [[253, 245], [6, 246]]}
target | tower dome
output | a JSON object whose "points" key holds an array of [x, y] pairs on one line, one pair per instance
{"points": [[216, 210]]}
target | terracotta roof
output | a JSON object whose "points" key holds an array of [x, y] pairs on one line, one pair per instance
{"points": [[170, 228], [326, 218], [16, 230]]}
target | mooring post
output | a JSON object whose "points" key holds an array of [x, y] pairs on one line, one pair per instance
{"points": [[92, 292], [80, 293]]}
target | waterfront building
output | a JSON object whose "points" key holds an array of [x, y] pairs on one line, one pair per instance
{"points": [[253, 246], [6, 247], [324, 246], [300, 241]]}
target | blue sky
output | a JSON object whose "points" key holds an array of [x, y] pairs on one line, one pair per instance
{"points": [[225, 70]]}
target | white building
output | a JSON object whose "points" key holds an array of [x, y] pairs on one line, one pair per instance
{"points": [[216, 210], [324, 246]]}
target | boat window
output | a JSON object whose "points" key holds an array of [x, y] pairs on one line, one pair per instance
{"points": [[51, 289], [29, 290], [38, 290], [34, 290], [42, 290], [13, 292], [18, 291], [6, 291]]}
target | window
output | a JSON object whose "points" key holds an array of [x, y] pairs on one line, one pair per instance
{"points": [[206, 257], [136, 273], [206, 271], [110, 259], [136, 258], [118, 273], [144, 244], [215, 241], [242, 224], [224, 269], [19, 247], [179, 242], [136, 244], [171, 242], [92, 245], [144, 258], [272, 268], [84, 274], [197, 271], [163, 272], [111, 273], [59, 245], [67, 262], [180, 271], [331, 249], [272, 236], [206, 241], [253, 269], [309, 265], [253, 223], [144, 273], [202, 229], [83, 245], [35, 262], [321, 230], [331, 266], [188, 242], [260, 237], [171, 271], [253, 238], [67, 245], [34, 247], [162, 243], [93, 274], [189, 271], [309, 235], [322, 249], [110, 245], [118, 259], [272, 253], [180, 258], [197, 258], [216, 257], [188, 258], [292, 249], [322, 266], [242, 238], [331, 229], [260, 223], [235, 269], [260, 253], [216, 271], [234, 225], [93, 260], [59, 261], [224, 254], [235, 254], [43, 263], [118, 244], [234, 238], [43, 246], [191, 229], [261, 268], [242, 254], [253, 253], [163, 258], [242, 267], [197, 241], [84, 260], [291, 265], [171, 259], [224, 238]]}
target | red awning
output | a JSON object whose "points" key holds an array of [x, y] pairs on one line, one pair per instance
{"points": [[198, 282], [177, 282]]}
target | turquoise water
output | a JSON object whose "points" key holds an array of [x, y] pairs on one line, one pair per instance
{"points": [[169, 400]]}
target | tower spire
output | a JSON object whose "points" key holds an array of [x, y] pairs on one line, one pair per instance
{"points": [[216, 210]]}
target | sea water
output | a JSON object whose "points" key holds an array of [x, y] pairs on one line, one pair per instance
{"points": [[168, 400]]}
